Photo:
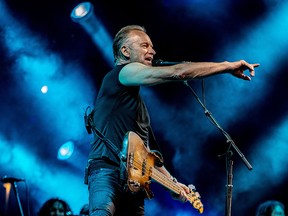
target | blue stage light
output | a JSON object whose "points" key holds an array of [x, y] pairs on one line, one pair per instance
{"points": [[65, 151], [82, 11]]}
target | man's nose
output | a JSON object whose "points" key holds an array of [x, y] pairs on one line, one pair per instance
{"points": [[152, 51]]}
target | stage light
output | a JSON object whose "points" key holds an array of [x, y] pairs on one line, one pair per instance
{"points": [[44, 89], [84, 14], [65, 151], [82, 11]]}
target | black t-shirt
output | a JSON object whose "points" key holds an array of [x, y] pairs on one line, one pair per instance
{"points": [[119, 109]]}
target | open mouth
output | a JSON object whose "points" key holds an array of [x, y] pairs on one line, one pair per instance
{"points": [[149, 60]]}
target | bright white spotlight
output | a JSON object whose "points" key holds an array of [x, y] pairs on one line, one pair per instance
{"points": [[82, 11], [83, 14], [65, 151], [44, 89]]}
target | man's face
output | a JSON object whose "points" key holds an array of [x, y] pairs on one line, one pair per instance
{"points": [[140, 48]]}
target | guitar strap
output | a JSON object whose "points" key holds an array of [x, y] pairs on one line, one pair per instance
{"points": [[156, 148], [122, 155], [90, 126]]}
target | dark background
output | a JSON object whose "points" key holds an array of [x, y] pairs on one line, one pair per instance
{"points": [[41, 45]]}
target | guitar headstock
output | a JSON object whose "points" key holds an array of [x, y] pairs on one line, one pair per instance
{"points": [[194, 199]]}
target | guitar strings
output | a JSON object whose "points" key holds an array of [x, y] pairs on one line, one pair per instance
{"points": [[160, 177], [176, 188], [146, 171]]}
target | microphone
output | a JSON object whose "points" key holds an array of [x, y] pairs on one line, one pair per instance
{"points": [[160, 62], [6, 179]]}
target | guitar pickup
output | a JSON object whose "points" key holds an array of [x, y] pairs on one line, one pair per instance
{"points": [[130, 160], [144, 167]]}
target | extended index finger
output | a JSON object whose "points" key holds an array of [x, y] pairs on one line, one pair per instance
{"points": [[256, 65], [251, 69]]}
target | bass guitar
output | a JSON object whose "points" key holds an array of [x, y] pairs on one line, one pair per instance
{"points": [[141, 170]]}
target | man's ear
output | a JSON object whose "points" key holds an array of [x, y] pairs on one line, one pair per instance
{"points": [[125, 51]]}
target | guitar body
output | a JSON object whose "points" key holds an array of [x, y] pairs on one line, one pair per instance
{"points": [[140, 164]]}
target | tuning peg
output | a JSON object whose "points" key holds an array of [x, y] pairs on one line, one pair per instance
{"points": [[192, 187]]}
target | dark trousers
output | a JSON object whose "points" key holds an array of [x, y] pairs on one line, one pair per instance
{"points": [[108, 195]]}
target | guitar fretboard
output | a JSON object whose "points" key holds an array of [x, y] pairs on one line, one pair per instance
{"points": [[174, 187]]}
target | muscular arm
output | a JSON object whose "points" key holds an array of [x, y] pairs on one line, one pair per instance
{"points": [[140, 74]]}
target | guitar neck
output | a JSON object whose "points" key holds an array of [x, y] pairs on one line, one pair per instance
{"points": [[159, 177], [141, 168], [166, 182]]}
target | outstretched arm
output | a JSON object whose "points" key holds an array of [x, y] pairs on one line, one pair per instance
{"points": [[135, 73]]}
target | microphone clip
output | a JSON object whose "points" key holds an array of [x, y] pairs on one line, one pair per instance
{"points": [[87, 120]]}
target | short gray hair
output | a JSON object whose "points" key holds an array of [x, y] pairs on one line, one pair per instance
{"points": [[120, 39]]}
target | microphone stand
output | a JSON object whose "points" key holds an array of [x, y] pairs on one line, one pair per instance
{"points": [[14, 184], [228, 155]]}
